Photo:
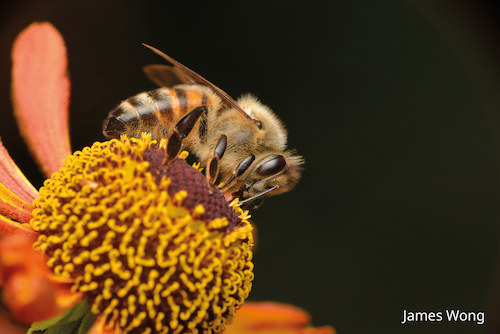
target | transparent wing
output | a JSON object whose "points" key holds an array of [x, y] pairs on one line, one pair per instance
{"points": [[167, 76], [188, 76]]}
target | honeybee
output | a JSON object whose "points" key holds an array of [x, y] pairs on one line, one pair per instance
{"points": [[241, 141]]}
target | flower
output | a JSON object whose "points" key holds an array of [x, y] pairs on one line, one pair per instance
{"points": [[273, 318], [115, 240]]}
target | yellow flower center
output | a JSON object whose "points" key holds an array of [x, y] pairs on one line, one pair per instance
{"points": [[152, 246]]}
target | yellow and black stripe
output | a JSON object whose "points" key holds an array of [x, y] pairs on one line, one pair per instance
{"points": [[156, 111]]}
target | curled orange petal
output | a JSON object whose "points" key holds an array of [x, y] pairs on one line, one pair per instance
{"points": [[12, 177], [273, 318], [29, 290], [40, 94]]}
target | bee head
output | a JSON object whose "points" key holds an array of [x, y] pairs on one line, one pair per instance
{"points": [[271, 175], [273, 128]]}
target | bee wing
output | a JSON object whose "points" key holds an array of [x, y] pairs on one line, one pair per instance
{"points": [[167, 76], [184, 73]]}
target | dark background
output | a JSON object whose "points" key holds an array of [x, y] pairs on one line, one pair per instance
{"points": [[394, 104]]}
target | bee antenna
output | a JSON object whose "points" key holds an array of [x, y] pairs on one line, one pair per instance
{"points": [[262, 194]]}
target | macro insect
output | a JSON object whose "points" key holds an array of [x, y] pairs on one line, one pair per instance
{"points": [[243, 142]]}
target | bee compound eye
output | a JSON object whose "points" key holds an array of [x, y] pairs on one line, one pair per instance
{"points": [[271, 167]]}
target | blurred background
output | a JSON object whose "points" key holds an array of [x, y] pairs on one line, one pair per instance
{"points": [[395, 106]]}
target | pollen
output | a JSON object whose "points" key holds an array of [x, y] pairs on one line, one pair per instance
{"points": [[153, 247]]}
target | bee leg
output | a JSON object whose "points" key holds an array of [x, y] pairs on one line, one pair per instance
{"points": [[259, 203], [213, 164], [261, 197], [181, 130], [238, 171], [238, 193]]}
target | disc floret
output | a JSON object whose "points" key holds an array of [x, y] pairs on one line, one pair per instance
{"points": [[153, 247]]}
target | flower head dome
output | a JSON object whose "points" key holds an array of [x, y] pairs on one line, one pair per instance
{"points": [[151, 244]]}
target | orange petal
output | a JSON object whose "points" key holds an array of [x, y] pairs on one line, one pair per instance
{"points": [[317, 330], [10, 227], [13, 207], [273, 318], [12, 177], [8, 327], [40, 94], [17, 254], [30, 292], [99, 327]]}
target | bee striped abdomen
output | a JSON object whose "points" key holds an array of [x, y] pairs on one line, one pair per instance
{"points": [[156, 111]]}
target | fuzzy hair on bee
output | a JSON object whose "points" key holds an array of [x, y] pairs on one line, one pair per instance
{"points": [[242, 142]]}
